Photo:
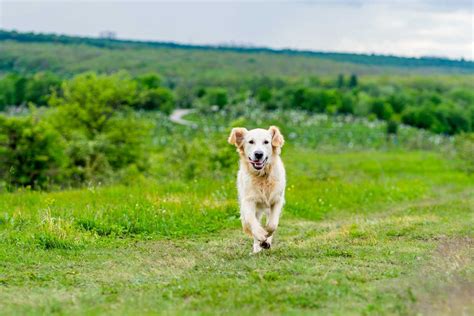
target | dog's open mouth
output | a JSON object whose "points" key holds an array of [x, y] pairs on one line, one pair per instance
{"points": [[258, 164]]}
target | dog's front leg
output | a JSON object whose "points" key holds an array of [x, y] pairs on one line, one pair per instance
{"points": [[248, 213], [273, 220]]}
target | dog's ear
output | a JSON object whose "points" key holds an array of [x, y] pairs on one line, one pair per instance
{"points": [[277, 137], [236, 136]]}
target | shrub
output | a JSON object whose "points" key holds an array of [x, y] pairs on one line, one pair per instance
{"points": [[353, 81], [420, 117], [89, 101], [381, 109], [346, 106], [311, 99], [125, 140], [31, 152], [441, 119], [216, 96], [340, 81], [264, 95], [398, 102], [450, 120], [185, 97], [201, 157], [102, 134], [156, 99], [392, 127], [19, 90], [39, 88], [12, 90], [149, 81]]}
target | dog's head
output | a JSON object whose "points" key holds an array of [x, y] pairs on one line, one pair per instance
{"points": [[257, 146]]}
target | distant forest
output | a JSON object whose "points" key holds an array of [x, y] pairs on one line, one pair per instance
{"points": [[443, 64], [429, 93]]}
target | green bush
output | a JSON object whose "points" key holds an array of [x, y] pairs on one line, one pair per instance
{"points": [[398, 102], [12, 90], [347, 105], [383, 110], [185, 97], [420, 117], [102, 134], [161, 99], [216, 96], [149, 81], [353, 81], [392, 127], [450, 120], [126, 139], [201, 157], [264, 95], [440, 119], [310, 99], [19, 90], [31, 152], [39, 88]]}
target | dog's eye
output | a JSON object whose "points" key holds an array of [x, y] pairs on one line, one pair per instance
{"points": [[266, 142], [251, 142]]}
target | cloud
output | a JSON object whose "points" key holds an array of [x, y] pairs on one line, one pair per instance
{"points": [[406, 27]]}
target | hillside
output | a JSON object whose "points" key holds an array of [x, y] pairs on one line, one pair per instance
{"points": [[107, 206], [66, 55]]}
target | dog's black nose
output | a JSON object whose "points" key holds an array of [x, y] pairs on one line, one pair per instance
{"points": [[258, 155]]}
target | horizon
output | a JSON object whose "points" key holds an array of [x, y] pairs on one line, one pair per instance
{"points": [[415, 29], [236, 46]]}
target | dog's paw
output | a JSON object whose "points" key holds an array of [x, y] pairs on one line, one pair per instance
{"points": [[265, 244], [256, 248]]}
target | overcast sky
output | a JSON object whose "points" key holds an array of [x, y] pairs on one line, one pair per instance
{"points": [[404, 27]]}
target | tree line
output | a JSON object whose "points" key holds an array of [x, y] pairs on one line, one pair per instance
{"points": [[90, 127], [377, 60], [436, 106]]}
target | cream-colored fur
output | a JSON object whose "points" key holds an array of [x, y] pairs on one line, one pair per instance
{"points": [[260, 183]]}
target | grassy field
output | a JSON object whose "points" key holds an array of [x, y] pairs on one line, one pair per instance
{"points": [[206, 64], [108, 207], [374, 231]]}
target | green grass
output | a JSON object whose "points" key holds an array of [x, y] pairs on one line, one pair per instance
{"points": [[368, 232], [207, 65]]}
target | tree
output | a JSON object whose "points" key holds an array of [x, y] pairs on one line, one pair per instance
{"points": [[264, 95], [353, 81], [89, 101], [93, 115], [450, 120], [39, 87], [149, 81], [347, 105], [216, 96], [398, 101], [421, 117], [156, 99], [392, 127], [12, 90], [31, 152], [383, 110], [340, 81]]}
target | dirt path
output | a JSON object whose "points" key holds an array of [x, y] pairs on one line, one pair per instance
{"points": [[177, 117]]}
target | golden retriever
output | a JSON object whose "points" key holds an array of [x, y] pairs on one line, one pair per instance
{"points": [[261, 181]]}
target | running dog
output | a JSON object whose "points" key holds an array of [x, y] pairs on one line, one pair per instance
{"points": [[261, 182]]}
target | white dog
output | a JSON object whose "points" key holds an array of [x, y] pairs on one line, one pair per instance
{"points": [[261, 181]]}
